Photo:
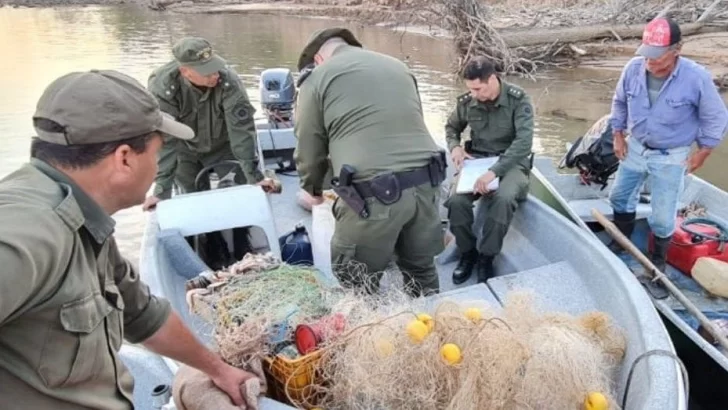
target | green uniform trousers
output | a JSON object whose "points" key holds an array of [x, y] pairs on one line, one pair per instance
{"points": [[497, 209], [190, 163], [409, 229]]}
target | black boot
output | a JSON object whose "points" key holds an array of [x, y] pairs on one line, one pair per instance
{"points": [[659, 253], [625, 223], [465, 267], [485, 268], [658, 257]]}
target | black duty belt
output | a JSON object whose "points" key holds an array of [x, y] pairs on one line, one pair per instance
{"points": [[386, 188], [483, 154], [405, 179]]}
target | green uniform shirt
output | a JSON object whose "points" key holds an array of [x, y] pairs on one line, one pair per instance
{"points": [[67, 297], [362, 109], [219, 116], [503, 127]]}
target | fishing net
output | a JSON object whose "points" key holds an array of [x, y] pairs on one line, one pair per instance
{"points": [[256, 303], [389, 351], [468, 356]]}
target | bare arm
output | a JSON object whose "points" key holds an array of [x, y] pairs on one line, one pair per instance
{"points": [[174, 340]]}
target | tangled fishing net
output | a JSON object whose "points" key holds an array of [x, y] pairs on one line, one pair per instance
{"points": [[467, 356], [384, 352], [255, 303]]}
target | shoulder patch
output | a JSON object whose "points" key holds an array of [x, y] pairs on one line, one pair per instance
{"points": [[515, 92], [464, 98], [242, 112]]}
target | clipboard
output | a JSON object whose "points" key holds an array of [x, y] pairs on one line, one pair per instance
{"points": [[471, 171]]}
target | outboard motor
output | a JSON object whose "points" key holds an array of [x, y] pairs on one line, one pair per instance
{"points": [[277, 96], [593, 154]]}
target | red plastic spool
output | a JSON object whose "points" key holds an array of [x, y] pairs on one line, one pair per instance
{"points": [[308, 337]]}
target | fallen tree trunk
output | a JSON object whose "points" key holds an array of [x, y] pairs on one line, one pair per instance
{"points": [[525, 38], [473, 27]]}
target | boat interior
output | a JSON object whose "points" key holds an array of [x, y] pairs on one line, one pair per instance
{"points": [[564, 265], [580, 199]]}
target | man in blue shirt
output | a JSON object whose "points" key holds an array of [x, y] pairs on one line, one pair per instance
{"points": [[666, 102]]}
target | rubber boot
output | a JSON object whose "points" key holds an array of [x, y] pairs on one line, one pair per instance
{"points": [[659, 253], [625, 223], [465, 267], [485, 268], [658, 257]]}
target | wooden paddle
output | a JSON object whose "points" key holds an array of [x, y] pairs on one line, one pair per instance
{"points": [[657, 275]]}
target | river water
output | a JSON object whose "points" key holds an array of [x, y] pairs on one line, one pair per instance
{"points": [[37, 45]]}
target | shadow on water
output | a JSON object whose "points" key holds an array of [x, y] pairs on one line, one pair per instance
{"points": [[43, 44]]}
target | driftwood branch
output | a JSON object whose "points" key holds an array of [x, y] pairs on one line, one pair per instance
{"points": [[590, 33], [708, 13], [478, 28]]}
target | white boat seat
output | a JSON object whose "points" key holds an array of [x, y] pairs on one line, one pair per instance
{"points": [[557, 285], [220, 209], [468, 295]]}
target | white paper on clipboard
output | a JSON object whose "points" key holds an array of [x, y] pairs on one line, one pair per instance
{"points": [[471, 171]]}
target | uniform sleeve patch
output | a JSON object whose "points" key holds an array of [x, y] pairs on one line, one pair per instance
{"points": [[242, 112], [527, 110]]}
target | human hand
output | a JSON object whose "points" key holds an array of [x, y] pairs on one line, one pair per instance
{"points": [[697, 159], [481, 184], [620, 145], [458, 156], [268, 185], [232, 381], [150, 203], [308, 201]]}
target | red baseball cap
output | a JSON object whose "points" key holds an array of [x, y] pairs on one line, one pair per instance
{"points": [[659, 35]]}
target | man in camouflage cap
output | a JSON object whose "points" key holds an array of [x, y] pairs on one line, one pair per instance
{"points": [[389, 168], [199, 90], [67, 296], [500, 117]]}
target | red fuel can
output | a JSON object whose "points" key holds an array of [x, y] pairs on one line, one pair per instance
{"points": [[686, 247]]}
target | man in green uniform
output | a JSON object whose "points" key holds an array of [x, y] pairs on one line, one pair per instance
{"points": [[363, 109], [500, 116], [200, 91], [67, 297]]}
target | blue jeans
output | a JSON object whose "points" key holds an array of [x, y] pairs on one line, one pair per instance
{"points": [[666, 169]]}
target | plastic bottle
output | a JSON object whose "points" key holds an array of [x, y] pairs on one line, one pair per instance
{"points": [[296, 247]]}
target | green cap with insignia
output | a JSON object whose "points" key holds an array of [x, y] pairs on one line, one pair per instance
{"points": [[100, 106], [318, 38], [197, 53]]}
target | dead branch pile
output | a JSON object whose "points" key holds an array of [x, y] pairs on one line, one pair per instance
{"points": [[522, 36], [571, 13]]}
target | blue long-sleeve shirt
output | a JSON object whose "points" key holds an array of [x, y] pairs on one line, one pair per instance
{"points": [[688, 109]]}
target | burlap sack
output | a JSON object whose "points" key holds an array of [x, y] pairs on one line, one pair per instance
{"points": [[194, 390]]}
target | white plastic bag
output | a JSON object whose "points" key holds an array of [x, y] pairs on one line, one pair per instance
{"points": [[322, 228]]}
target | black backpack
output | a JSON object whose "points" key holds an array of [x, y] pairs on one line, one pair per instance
{"points": [[593, 154]]}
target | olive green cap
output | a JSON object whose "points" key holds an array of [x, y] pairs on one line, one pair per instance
{"points": [[100, 106], [318, 38], [197, 53]]}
